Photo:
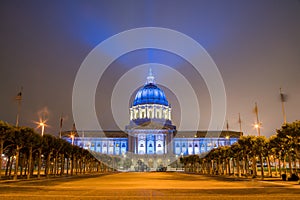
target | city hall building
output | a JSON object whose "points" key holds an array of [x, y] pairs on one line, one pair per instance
{"points": [[150, 136]]}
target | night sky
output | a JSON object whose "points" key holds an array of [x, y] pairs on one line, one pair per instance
{"points": [[255, 45]]}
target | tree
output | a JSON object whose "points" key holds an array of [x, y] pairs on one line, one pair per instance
{"points": [[290, 135], [260, 148], [5, 130], [237, 154], [48, 148], [31, 143]]}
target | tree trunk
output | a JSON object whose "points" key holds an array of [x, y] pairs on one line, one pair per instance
{"points": [[68, 164], [290, 163], [10, 166], [17, 162], [84, 166], [284, 164], [7, 165], [62, 168], [55, 164], [80, 166], [1, 152], [210, 167], [247, 165], [47, 169], [262, 166], [220, 166], [72, 165], [238, 166], [276, 167], [21, 164], [39, 163], [228, 166], [254, 168], [76, 166], [279, 166], [244, 166], [269, 166], [29, 162], [233, 164]]}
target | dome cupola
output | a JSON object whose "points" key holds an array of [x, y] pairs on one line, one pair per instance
{"points": [[150, 103], [150, 93]]}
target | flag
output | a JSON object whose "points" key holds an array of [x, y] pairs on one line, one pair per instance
{"points": [[61, 122], [74, 128], [255, 110], [19, 96], [240, 121], [283, 97], [227, 125]]}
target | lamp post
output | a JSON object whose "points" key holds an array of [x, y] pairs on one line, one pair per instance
{"points": [[42, 124], [283, 99], [257, 126], [227, 139], [72, 137], [19, 100]]}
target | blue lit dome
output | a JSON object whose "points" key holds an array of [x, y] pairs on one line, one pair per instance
{"points": [[150, 94]]}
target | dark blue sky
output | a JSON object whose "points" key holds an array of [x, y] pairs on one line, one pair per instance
{"points": [[255, 44]]}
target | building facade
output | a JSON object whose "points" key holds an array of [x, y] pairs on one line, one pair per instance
{"points": [[150, 137]]}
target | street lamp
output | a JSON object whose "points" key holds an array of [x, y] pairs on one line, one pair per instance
{"points": [[227, 139], [72, 137], [43, 127], [42, 124], [257, 126]]}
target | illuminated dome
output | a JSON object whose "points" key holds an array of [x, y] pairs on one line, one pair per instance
{"points": [[150, 102], [150, 94]]}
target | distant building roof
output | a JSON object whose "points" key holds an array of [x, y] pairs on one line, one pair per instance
{"points": [[179, 134], [212, 134]]}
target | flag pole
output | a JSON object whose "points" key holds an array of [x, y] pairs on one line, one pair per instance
{"points": [[257, 120], [19, 100], [240, 123], [227, 126], [60, 125], [282, 98], [227, 135]]}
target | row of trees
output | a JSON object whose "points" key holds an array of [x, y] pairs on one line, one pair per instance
{"points": [[280, 154], [24, 153]]}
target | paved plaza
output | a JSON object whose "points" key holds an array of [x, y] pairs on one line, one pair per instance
{"points": [[151, 185]]}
